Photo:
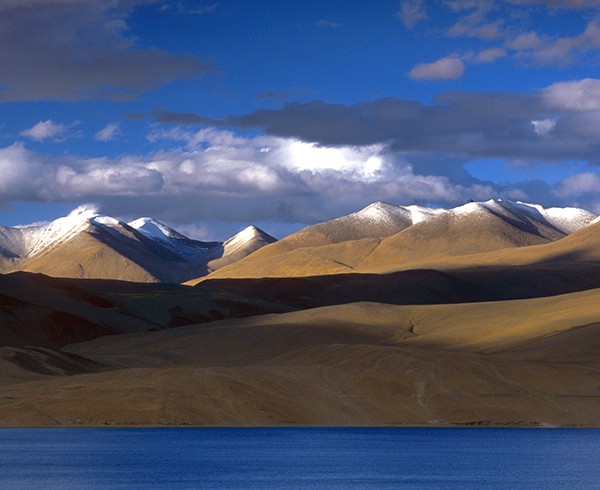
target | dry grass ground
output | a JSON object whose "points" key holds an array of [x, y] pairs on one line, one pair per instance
{"points": [[496, 363]]}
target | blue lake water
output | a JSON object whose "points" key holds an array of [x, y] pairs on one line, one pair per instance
{"points": [[299, 458]]}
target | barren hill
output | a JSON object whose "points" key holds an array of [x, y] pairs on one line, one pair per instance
{"points": [[470, 229], [87, 245]]}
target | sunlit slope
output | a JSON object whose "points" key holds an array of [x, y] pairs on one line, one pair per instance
{"points": [[239, 246], [85, 244], [375, 221], [85, 256], [330, 247], [489, 327], [475, 228], [582, 246]]}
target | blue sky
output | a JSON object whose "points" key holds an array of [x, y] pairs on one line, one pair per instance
{"points": [[211, 115]]}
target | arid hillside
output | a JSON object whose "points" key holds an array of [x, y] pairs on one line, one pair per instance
{"points": [[483, 315]]}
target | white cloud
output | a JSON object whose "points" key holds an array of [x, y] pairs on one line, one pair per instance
{"points": [[411, 12], [576, 95], [546, 51], [218, 175], [489, 55], [109, 132], [44, 130], [488, 31], [26, 175], [543, 127], [523, 34], [576, 185], [526, 41], [449, 68]]}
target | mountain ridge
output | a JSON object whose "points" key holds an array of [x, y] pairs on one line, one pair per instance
{"points": [[473, 228], [87, 244]]}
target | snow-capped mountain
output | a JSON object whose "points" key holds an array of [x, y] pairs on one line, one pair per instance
{"points": [[383, 237], [566, 220], [379, 219], [241, 245], [88, 244], [476, 227], [379, 237]]}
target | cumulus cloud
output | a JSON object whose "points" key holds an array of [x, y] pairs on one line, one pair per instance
{"points": [[566, 50], [487, 32], [26, 175], [449, 68], [215, 174], [575, 95], [80, 49], [45, 130], [108, 133], [577, 185]]}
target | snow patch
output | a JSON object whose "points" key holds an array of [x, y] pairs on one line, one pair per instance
{"points": [[106, 221], [381, 211], [38, 238], [244, 237], [151, 228], [567, 219], [421, 213]]}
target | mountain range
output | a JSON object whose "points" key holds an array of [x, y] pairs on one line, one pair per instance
{"points": [[385, 238], [88, 245], [484, 314], [379, 238]]}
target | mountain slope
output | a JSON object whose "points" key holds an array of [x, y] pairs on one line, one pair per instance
{"points": [[241, 245], [88, 245], [470, 229], [376, 220]]}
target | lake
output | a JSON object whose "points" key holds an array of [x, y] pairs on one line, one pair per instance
{"points": [[299, 458]]}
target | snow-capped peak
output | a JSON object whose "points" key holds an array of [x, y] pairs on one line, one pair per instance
{"points": [[151, 228], [38, 238], [379, 211], [421, 213], [566, 219], [244, 237]]}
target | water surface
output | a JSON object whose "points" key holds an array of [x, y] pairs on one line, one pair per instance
{"points": [[299, 458]]}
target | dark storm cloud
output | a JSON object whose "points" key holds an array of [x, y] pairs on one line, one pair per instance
{"points": [[169, 117], [474, 125], [77, 49]]}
